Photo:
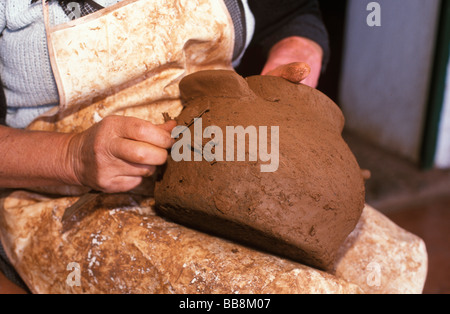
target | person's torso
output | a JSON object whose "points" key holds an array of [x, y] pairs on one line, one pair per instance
{"points": [[25, 69]]}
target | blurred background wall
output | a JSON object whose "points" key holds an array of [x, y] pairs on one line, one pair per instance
{"points": [[393, 84], [387, 70], [442, 159], [392, 81]]}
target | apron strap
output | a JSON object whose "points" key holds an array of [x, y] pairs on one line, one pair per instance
{"points": [[237, 12]]}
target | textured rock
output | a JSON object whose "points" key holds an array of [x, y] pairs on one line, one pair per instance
{"points": [[127, 249], [381, 257], [121, 246]]}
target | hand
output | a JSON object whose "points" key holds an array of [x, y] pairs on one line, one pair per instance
{"points": [[7, 287], [116, 154], [297, 59], [296, 72]]}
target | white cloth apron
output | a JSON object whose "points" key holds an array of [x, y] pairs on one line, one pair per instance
{"points": [[128, 59]]}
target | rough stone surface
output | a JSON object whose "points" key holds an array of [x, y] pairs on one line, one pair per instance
{"points": [[126, 248], [121, 246], [381, 257]]}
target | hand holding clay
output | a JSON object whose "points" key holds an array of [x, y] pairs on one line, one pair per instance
{"points": [[294, 72], [297, 59], [114, 155]]}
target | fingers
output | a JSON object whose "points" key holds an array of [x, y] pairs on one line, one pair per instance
{"points": [[117, 153], [139, 153], [123, 184], [293, 72], [367, 174], [168, 126], [135, 170], [124, 177], [144, 131]]}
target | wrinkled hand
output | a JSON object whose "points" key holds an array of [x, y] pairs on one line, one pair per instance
{"points": [[296, 59], [115, 155]]}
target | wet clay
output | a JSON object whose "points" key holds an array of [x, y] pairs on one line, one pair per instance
{"points": [[306, 208]]}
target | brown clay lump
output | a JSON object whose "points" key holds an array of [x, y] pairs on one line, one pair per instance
{"points": [[288, 184]]}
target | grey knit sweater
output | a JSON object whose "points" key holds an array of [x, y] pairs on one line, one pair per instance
{"points": [[25, 70]]}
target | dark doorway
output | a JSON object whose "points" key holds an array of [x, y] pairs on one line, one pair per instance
{"points": [[334, 14]]}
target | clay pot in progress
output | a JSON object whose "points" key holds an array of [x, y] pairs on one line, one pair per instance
{"points": [[301, 203]]}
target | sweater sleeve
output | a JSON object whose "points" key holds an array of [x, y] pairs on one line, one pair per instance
{"points": [[279, 19]]}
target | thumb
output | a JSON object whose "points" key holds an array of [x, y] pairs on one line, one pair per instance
{"points": [[293, 72], [168, 126]]}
